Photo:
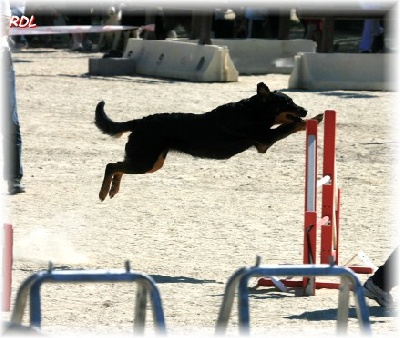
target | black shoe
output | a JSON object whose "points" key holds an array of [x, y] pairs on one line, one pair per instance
{"points": [[373, 291], [15, 187]]}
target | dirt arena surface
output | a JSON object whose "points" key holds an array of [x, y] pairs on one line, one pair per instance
{"points": [[196, 221]]}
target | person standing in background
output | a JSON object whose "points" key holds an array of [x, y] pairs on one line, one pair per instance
{"points": [[372, 38], [10, 127], [19, 41], [79, 17]]}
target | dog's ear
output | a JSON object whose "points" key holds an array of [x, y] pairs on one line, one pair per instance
{"points": [[262, 89]]}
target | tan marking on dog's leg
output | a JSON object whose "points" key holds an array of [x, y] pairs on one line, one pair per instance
{"points": [[158, 164], [116, 182]]}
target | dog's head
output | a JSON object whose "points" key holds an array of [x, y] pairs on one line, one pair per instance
{"points": [[281, 105]]}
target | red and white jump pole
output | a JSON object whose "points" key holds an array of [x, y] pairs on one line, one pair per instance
{"points": [[7, 265]]}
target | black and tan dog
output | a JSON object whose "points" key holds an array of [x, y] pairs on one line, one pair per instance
{"points": [[219, 134]]}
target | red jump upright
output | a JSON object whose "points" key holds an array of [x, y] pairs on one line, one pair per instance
{"points": [[330, 193], [7, 265], [329, 221]]}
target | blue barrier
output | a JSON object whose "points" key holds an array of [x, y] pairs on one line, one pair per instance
{"points": [[240, 278], [146, 286]]}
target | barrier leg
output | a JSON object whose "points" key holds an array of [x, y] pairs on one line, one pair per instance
{"points": [[244, 308], [227, 303], [140, 310], [343, 308]]}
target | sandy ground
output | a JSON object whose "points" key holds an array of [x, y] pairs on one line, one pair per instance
{"points": [[196, 221]]}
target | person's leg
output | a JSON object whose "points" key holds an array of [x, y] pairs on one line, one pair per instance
{"points": [[386, 277], [80, 41], [366, 36], [13, 142], [379, 285]]}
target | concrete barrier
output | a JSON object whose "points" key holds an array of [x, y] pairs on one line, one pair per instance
{"points": [[342, 71], [181, 60], [260, 56]]}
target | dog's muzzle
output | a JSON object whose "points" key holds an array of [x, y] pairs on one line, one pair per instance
{"points": [[302, 112], [296, 116]]}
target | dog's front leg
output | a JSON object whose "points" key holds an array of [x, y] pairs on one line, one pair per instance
{"points": [[263, 144], [274, 135], [281, 132]]}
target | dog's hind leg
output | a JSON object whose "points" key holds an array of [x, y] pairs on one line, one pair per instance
{"points": [[113, 175], [114, 172], [112, 169], [116, 180]]}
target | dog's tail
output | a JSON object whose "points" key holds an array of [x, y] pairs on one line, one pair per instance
{"points": [[108, 126]]}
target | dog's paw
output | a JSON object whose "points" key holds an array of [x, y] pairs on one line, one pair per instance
{"points": [[102, 195], [302, 125], [318, 117]]}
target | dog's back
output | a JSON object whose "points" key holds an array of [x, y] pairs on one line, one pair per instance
{"points": [[219, 134]]}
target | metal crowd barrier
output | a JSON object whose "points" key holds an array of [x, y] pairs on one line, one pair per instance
{"points": [[239, 280], [146, 286]]}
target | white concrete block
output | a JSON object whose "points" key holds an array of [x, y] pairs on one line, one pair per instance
{"points": [[261, 56], [342, 71], [181, 60]]}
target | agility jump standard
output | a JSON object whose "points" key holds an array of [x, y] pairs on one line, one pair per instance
{"points": [[7, 265], [329, 223]]}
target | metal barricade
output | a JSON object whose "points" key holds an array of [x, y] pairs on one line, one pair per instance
{"points": [[145, 287], [239, 280]]}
